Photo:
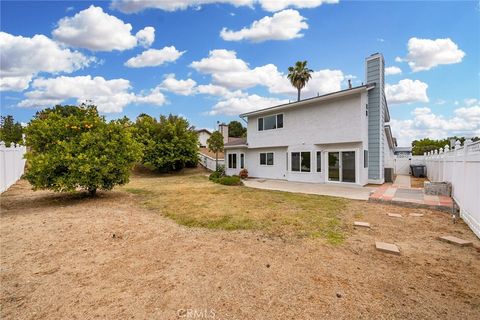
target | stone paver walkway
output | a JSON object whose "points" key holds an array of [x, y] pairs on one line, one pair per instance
{"points": [[413, 197]]}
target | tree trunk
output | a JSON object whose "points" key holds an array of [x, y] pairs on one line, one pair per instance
{"points": [[298, 94], [92, 192]]}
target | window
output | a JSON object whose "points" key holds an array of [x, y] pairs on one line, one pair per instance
{"points": [[319, 161], [365, 158], [305, 161], [301, 161], [295, 161], [242, 161], [266, 159], [270, 122], [232, 161]]}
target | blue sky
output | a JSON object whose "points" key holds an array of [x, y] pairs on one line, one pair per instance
{"points": [[190, 67]]}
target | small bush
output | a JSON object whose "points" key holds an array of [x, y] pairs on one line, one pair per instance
{"points": [[243, 174], [214, 176], [230, 181]]}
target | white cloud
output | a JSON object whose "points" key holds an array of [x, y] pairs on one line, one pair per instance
{"points": [[110, 96], [283, 25], [233, 73], [182, 87], [146, 36], [406, 91], [154, 57], [238, 105], [424, 54], [132, 6], [22, 58], [277, 5], [98, 31], [219, 91], [465, 122], [392, 71]]}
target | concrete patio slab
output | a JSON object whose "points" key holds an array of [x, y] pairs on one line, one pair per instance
{"points": [[456, 241], [361, 224], [387, 247], [402, 180], [325, 189]]}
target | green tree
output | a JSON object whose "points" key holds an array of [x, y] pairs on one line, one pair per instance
{"points": [[235, 129], [10, 131], [215, 144], [425, 145], [73, 147], [169, 144], [299, 75]]}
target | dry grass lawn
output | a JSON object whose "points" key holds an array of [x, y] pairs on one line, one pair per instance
{"points": [[235, 253]]}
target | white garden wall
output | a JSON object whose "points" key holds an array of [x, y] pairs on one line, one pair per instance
{"points": [[209, 162], [12, 164], [460, 167]]}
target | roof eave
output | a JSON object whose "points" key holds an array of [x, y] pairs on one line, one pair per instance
{"points": [[324, 97]]}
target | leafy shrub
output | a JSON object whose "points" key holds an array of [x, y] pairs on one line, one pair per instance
{"points": [[243, 174], [169, 144], [230, 181], [214, 176], [221, 170], [73, 147]]}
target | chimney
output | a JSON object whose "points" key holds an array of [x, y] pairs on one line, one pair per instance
{"points": [[375, 74], [349, 84], [223, 129]]}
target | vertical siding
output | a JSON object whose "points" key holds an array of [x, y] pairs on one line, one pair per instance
{"points": [[375, 73]]}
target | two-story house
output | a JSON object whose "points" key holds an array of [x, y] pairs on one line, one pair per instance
{"points": [[340, 137]]}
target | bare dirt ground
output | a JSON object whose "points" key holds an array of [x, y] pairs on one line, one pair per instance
{"points": [[111, 258]]}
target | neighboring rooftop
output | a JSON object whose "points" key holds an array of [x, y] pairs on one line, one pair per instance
{"points": [[403, 149], [203, 130]]}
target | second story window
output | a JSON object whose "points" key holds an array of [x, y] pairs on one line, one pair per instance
{"points": [[270, 122]]}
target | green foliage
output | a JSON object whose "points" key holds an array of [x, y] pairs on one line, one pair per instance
{"points": [[299, 75], [10, 131], [215, 144], [230, 181], [236, 130], [169, 144], [214, 176], [426, 145], [73, 147]]}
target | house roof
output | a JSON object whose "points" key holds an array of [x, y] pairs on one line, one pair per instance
{"points": [[390, 138], [236, 142], [324, 97], [203, 130], [211, 154], [403, 149]]}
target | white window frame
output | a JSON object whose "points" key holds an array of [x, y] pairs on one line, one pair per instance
{"points": [[276, 122], [233, 162], [300, 171], [266, 159]]}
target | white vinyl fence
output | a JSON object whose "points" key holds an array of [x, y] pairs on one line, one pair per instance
{"points": [[209, 162], [461, 167], [12, 164]]}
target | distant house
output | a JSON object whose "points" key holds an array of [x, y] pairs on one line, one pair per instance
{"points": [[203, 135], [403, 151], [340, 137]]}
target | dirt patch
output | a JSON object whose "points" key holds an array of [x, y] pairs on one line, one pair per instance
{"points": [[110, 257], [417, 182]]}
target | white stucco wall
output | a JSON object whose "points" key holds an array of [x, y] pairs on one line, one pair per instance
{"points": [[340, 120], [203, 137]]}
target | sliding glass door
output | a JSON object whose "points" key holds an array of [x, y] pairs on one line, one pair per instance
{"points": [[341, 166]]}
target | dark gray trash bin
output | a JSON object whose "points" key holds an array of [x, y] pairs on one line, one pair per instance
{"points": [[419, 170]]}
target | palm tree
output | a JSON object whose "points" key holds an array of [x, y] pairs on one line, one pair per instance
{"points": [[299, 75]]}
